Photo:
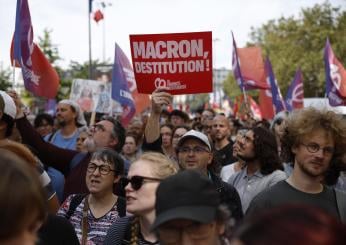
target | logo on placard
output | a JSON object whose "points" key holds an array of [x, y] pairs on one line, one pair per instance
{"points": [[159, 83]]}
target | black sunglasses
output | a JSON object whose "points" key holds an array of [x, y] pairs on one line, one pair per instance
{"points": [[137, 181]]}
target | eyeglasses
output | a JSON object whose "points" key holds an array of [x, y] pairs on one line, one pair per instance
{"points": [[196, 231], [137, 181], [103, 169], [313, 148], [196, 149]]}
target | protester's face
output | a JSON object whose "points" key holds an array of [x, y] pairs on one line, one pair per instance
{"points": [[207, 126], [136, 128], [176, 120], [80, 141], [206, 115], [247, 147], [220, 129], [166, 134], [44, 128], [197, 157], [279, 127], [129, 147], [64, 114], [236, 145], [314, 164], [102, 134], [178, 133], [141, 201], [100, 177], [188, 232]]}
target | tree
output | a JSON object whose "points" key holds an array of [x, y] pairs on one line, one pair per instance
{"points": [[299, 42], [5, 76]]}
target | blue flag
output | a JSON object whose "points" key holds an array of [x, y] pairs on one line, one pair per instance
{"points": [[278, 102], [295, 93], [122, 80]]}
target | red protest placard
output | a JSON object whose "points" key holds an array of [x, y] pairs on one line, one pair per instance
{"points": [[180, 61]]}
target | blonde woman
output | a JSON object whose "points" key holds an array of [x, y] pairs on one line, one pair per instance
{"points": [[143, 179]]}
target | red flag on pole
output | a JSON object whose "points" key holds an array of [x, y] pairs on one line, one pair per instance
{"points": [[98, 15]]}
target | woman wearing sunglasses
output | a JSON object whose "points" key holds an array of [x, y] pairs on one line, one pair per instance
{"points": [[92, 214], [143, 179]]}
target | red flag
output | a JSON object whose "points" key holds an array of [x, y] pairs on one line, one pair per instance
{"points": [[98, 15], [266, 104], [252, 67], [39, 76], [241, 111]]}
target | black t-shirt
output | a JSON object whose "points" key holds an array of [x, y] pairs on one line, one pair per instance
{"points": [[224, 156], [284, 193]]}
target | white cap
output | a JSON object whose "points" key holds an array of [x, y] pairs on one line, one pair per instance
{"points": [[195, 135], [10, 108], [80, 117]]}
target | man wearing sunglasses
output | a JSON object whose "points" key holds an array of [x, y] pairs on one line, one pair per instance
{"points": [[108, 133], [315, 141]]}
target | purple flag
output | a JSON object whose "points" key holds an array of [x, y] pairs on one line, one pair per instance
{"points": [[295, 93], [333, 77], [278, 102], [122, 80], [39, 76], [235, 66]]}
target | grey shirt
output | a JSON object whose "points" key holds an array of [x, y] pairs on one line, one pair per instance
{"points": [[249, 186]]}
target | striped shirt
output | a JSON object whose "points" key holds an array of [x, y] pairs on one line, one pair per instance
{"points": [[97, 227]]}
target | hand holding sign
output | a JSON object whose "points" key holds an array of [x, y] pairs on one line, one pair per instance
{"points": [[160, 99]]}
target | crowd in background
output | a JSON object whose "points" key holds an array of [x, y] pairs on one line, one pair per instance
{"points": [[171, 177]]}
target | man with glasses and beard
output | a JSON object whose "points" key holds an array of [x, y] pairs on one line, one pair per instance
{"points": [[315, 141], [108, 133]]}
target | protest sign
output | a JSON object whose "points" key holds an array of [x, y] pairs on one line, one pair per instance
{"points": [[182, 62]]}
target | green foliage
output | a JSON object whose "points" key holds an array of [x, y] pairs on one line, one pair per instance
{"points": [[299, 42], [5, 76]]}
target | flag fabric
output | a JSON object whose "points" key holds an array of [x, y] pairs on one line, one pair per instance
{"points": [[278, 102], [39, 76], [295, 93], [335, 77], [252, 67], [122, 76], [241, 109], [266, 104], [98, 15], [247, 66]]}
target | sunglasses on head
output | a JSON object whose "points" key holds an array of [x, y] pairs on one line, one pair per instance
{"points": [[137, 181]]}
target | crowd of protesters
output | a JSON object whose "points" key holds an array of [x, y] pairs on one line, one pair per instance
{"points": [[171, 177]]}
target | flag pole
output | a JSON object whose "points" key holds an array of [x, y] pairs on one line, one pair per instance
{"points": [[14, 74], [90, 59]]}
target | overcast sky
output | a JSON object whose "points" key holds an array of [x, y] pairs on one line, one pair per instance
{"points": [[68, 20]]}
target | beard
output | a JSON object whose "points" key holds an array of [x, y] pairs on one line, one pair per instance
{"points": [[89, 144], [309, 172], [247, 158], [62, 123]]}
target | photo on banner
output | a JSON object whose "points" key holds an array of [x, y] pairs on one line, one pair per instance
{"points": [[92, 95], [181, 62]]}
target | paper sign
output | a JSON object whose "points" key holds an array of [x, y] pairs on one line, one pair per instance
{"points": [[180, 61]]}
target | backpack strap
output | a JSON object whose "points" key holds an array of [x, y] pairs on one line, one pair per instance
{"points": [[121, 206], [76, 200]]}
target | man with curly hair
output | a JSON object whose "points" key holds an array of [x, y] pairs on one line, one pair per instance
{"points": [[262, 169], [315, 141]]}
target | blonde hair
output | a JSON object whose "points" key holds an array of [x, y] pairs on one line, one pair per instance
{"points": [[162, 166]]}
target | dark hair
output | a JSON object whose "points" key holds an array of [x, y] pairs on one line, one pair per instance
{"points": [[186, 127], [21, 195], [118, 132], [266, 150], [43, 117], [10, 123], [167, 125], [134, 136], [292, 224], [110, 156]]}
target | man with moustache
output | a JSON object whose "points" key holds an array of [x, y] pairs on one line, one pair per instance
{"points": [[262, 166], [315, 141], [108, 133]]}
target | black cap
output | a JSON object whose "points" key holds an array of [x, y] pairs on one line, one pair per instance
{"points": [[186, 195]]}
